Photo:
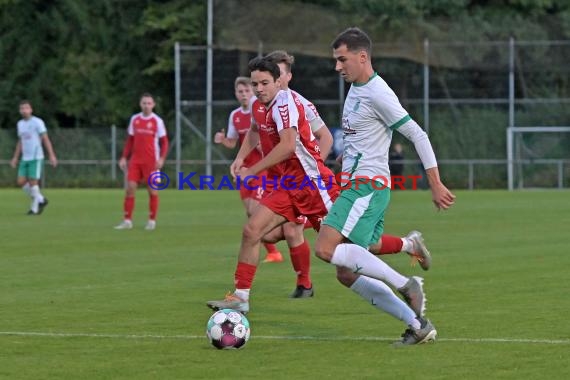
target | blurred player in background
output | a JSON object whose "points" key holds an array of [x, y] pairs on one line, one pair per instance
{"points": [[356, 220], [289, 151], [145, 149], [238, 125], [32, 133]]}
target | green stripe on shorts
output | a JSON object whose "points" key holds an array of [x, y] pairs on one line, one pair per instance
{"points": [[358, 214]]}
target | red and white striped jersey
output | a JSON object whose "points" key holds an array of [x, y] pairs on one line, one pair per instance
{"points": [[238, 125], [146, 131], [287, 111]]}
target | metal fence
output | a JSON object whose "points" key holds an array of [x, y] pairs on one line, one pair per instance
{"points": [[465, 95]]}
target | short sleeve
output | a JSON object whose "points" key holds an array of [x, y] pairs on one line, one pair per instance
{"points": [[131, 128], [232, 131], [284, 112], [160, 127], [388, 107], [40, 126]]}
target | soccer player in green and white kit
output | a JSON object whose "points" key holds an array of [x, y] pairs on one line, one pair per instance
{"points": [[356, 220], [32, 133]]}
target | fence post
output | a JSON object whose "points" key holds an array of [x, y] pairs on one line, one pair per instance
{"points": [[560, 174], [471, 175], [113, 152], [510, 159]]}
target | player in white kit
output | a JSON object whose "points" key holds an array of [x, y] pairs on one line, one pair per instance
{"points": [[32, 133], [356, 220]]}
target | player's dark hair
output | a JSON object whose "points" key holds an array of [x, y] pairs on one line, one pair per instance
{"points": [[355, 40], [264, 64], [243, 81], [281, 56], [147, 95], [25, 101]]}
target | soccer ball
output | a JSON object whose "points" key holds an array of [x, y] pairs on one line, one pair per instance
{"points": [[228, 329]]}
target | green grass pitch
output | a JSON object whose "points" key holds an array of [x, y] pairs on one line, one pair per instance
{"points": [[79, 300]]}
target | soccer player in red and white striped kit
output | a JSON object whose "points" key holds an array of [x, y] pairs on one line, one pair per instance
{"points": [[145, 149]]}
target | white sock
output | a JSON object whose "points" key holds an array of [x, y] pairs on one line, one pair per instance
{"points": [[243, 294], [383, 298], [27, 189], [361, 261], [35, 191], [407, 245]]}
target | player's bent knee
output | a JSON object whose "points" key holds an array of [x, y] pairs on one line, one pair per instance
{"points": [[375, 248], [290, 231], [251, 233], [345, 276], [322, 252]]}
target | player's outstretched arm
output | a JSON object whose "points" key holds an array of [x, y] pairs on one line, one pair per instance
{"points": [[441, 196], [221, 138]]}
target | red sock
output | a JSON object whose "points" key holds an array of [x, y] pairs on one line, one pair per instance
{"points": [[244, 275], [391, 244], [153, 206], [128, 207], [301, 260], [271, 248]]}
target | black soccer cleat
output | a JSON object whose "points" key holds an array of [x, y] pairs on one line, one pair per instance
{"points": [[42, 205], [302, 292]]}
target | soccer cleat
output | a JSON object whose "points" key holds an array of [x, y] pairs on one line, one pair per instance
{"points": [[150, 225], [424, 334], [414, 295], [30, 212], [273, 257], [125, 225], [42, 205], [231, 301], [302, 292], [419, 251]]}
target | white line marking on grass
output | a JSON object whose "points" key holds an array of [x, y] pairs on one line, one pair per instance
{"points": [[269, 337]]}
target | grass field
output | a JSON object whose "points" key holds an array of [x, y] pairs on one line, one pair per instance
{"points": [[79, 300]]}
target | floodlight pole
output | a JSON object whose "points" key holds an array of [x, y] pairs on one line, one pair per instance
{"points": [[209, 75], [178, 109], [510, 152]]}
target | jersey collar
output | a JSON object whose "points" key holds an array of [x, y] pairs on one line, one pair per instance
{"points": [[374, 75]]}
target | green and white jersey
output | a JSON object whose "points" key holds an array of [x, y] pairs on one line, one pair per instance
{"points": [[371, 112], [29, 132]]}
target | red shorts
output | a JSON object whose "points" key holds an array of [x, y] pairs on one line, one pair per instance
{"points": [[304, 220], [255, 190], [139, 172], [295, 204]]}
